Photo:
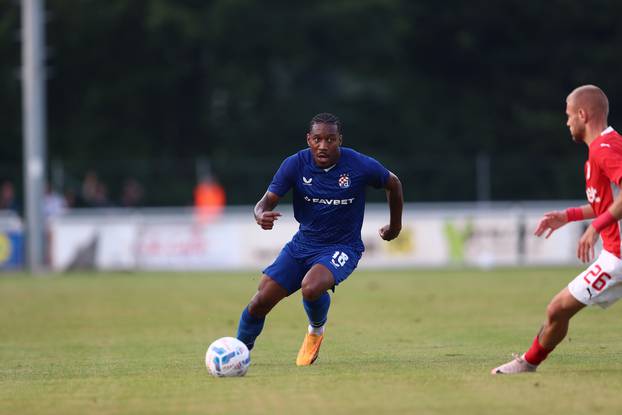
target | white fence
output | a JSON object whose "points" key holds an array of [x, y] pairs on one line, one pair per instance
{"points": [[433, 235]]}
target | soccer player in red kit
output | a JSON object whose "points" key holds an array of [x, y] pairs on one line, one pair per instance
{"points": [[600, 284]]}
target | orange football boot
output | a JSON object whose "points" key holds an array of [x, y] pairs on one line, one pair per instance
{"points": [[309, 350]]}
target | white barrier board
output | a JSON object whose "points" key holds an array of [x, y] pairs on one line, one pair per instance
{"points": [[432, 237]]}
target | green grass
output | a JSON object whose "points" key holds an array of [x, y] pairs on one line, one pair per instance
{"points": [[411, 342]]}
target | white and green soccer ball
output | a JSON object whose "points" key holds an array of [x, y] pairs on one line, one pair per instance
{"points": [[227, 357]]}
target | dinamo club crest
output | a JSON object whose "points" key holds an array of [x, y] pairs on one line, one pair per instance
{"points": [[344, 181]]}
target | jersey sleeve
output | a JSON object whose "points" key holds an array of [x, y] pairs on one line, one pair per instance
{"points": [[611, 164], [285, 177], [377, 174]]}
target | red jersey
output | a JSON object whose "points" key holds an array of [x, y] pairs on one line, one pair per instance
{"points": [[603, 170]]}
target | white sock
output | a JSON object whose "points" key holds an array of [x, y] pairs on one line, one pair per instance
{"points": [[316, 330]]}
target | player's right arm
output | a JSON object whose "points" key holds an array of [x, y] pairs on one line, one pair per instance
{"points": [[264, 213], [552, 221], [283, 180]]}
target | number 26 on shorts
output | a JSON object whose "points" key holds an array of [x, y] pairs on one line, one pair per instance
{"points": [[600, 277]]}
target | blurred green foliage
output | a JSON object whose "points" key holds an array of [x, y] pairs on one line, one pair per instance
{"points": [[424, 86]]}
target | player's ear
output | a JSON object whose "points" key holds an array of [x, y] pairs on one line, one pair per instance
{"points": [[582, 115], [340, 139], [309, 139]]}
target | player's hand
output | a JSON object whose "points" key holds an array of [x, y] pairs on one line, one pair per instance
{"points": [[585, 250], [266, 219], [387, 233], [550, 222]]}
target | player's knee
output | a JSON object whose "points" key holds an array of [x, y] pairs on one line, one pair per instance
{"points": [[311, 290]]}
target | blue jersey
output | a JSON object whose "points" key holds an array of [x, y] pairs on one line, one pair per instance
{"points": [[329, 203]]}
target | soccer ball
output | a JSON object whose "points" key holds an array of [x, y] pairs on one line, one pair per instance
{"points": [[227, 357]]}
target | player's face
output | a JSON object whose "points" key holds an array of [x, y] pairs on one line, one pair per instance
{"points": [[575, 122], [324, 141]]}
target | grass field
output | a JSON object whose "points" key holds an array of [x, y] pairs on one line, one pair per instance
{"points": [[410, 342]]}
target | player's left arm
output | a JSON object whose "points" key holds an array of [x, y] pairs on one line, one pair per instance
{"points": [[395, 198], [585, 249]]}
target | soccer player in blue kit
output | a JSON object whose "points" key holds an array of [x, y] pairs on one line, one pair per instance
{"points": [[329, 183]]}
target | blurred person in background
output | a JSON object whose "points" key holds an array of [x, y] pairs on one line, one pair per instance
{"points": [[209, 199], [8, 201], [88, 193], [94, 192], [587, 108], [54, 203], [132, 194], [71, 199], [329, 184], [101, 198]]}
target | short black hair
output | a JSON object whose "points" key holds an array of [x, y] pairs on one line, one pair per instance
{"points": [[325, 118]]}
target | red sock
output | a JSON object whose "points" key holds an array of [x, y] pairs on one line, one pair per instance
{"points": [[536, 353]]}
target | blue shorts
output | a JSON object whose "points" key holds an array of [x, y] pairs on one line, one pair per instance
{"points": [[293, 263]]}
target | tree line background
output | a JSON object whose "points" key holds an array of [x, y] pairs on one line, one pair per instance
{"points": [[443, 93]]}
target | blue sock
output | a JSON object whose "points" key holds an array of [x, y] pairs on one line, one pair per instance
{"points": [[317, 310], [249, 328]]}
